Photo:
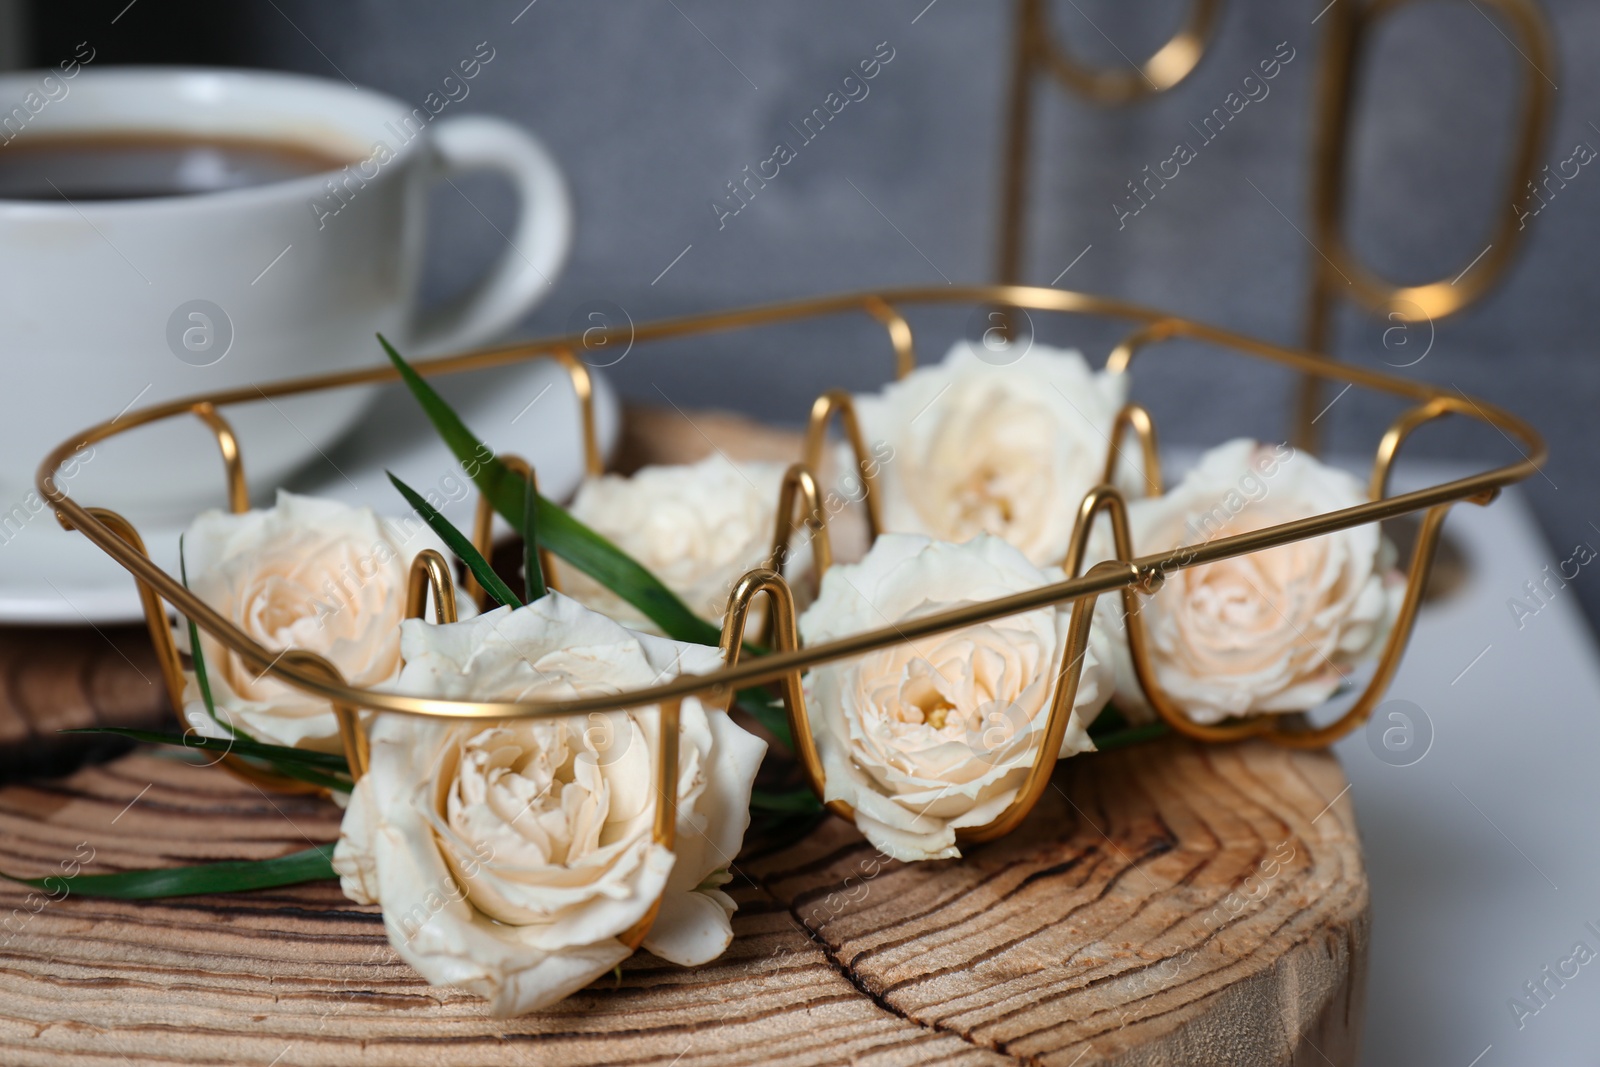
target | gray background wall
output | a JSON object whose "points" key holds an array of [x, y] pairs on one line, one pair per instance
{"points": [[653, 105]]}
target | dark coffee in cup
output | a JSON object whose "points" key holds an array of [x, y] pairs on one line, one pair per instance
{"points": [[132, 166]]}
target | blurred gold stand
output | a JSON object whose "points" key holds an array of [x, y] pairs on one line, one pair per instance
{"points": [[1336, 273], [1347, 36]]}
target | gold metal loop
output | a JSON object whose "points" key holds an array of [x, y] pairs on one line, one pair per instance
{"points": [[1166, 67], [1034, 49], [1336, 272], [155, 614], [430, 573], [1403, 427], [1136, 418], [1394, 647], [594, 463], [1068, 677], [798, 481], [905, 352], [483, 535], [822, 412], [780, 609], [1103, 497], [351, 732], [1121, 357], [232, 461], [664, 828]]}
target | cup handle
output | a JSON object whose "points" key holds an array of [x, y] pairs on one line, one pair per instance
{"points": [[538, 244]]}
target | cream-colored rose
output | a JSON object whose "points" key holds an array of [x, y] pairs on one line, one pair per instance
{"points": [[698, 527], [1010, 450], [1272, 631], [509, 856], [925, 738], [310, 574]]}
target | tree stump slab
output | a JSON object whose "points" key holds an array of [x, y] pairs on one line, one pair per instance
{"points": [[1165, 904]]}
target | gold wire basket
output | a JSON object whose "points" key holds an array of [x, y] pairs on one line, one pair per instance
{"points": [[1129, 574]]}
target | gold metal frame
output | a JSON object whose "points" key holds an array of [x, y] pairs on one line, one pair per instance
{"points": [[1336, 273], [1034, 51], [1129, 574]]}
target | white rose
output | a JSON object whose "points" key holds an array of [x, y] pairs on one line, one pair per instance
{"points": [[1006, 450], [1271, 631], [509, 856], [925, 738], [698, 527], [310, 574]]}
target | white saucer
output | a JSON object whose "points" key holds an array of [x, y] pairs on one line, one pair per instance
{"points": [[49, 576]]}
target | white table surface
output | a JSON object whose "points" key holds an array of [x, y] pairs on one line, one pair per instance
{"points": [[1484, 855]]}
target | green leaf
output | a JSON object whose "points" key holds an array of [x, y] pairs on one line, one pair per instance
{"points": [[202, 678], [458, 543], [1131, 735], [557, 530], [228, 876], [278, 754], [790, 802], [533, 586]]}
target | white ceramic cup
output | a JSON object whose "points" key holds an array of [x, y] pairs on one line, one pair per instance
{"points": [[113, 304]]}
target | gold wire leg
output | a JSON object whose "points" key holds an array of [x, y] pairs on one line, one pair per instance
{"points": [[232, 460], [483, 535], [1393, 648], [430, 572], [905, 352], [1136, 418], [664, 830], [1109, 498], [1061, 706], [798, 481], [155, 614], [356, 751], [594, 463], [780, 607], [822, 412]]}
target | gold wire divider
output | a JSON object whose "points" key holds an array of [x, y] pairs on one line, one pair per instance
{"points": [[430, 573], [1134, 417], [838, 402], [483, 526], [799, 482], [594, 461], [784, 665], [1034, 50], [1336, 273], [785, 637]]}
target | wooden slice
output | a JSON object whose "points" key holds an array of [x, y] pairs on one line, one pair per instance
{"points": [[1168, 904]]}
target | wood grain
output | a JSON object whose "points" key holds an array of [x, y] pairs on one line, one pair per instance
{"points": [[1169, 904], [1101, 933]]}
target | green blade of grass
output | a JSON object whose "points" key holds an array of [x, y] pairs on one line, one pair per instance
{"points": [[202, 678], [556, 529], [280, 754], [228, 876], [1131, 735], [533, 584], [458, 543]]}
